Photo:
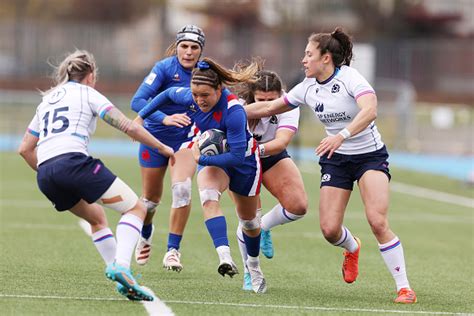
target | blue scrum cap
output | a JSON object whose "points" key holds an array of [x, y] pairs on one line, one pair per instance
{"points": [[191, 33]]}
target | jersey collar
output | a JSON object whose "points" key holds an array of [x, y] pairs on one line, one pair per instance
{"points": [[336, 70]]}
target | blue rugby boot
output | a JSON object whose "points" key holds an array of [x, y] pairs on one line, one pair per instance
{"points": [[266, 244], [124, 276], [128, 294], [247, 282]]}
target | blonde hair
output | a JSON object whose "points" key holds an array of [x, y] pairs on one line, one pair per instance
{"points": [[212, 74], [76, 66]]}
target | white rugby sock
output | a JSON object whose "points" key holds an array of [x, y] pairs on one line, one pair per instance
{"points": [[278, 216], [224, 253], [128, 231], [392, 254], [105, 243], [242, 247], [347, 241]]}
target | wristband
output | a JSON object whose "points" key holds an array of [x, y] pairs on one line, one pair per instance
{"points": [[261, 149], [345, 133]]}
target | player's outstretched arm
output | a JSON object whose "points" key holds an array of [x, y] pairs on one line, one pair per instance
{"points": [[117, 119], [266, 108]]}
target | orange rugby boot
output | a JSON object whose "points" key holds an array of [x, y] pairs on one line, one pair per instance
{"points": [[350, 266], [406, 296]]}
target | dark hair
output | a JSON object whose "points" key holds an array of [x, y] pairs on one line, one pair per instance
{"points": [[212, 74], [266, 81], [337, 43]]}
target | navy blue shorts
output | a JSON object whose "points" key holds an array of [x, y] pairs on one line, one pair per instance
{"points": [[246, 178], [270, 161], [342, 170], [68, 178], [150, 157]]}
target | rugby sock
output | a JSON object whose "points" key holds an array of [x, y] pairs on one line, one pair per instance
{"points": [[278, 216], [174, 241], [217, 228], [242, 247], [146, 231], [105, 243], [128, 232], [347, 241], [392, 254], [253, 261], [252, 244]]}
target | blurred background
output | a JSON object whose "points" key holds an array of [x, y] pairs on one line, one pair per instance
{"points": [[418, 54]]}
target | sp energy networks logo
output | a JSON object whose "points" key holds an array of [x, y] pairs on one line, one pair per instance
{"points": [[319, 107]]}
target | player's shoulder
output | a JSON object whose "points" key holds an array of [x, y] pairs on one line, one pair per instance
{"points": [[233, 101], [347, 72], [166, 63]]}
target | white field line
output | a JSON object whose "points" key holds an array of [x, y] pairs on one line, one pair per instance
{"points": [[422, 192], [157, 307], [431, 194], [263, 306]]}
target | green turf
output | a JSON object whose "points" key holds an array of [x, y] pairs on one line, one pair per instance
{"points": [[46, 255]]}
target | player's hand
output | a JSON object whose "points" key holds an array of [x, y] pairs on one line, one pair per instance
{"points": [[196, 152], [329, 145], [167, 151], [178, 120], [138, 120]]}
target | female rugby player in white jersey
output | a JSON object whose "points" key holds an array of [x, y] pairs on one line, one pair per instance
{"points": [[281, 176], [352, 151], [55, 145]]}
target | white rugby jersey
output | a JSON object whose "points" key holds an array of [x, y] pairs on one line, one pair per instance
{"points": [[66, 119], [267, 127], [334, 104]]}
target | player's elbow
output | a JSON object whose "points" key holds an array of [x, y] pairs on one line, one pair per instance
{"points": [[136, 104], [23, 150]]}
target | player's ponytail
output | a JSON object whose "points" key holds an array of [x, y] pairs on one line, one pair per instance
{"points": [[211, 73], [337, 43], [76, 66]]}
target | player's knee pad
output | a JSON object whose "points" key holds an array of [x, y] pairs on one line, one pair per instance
{"points": [[209, 195], [150, 205], [250, 224], [119, 197], [181, 192]]}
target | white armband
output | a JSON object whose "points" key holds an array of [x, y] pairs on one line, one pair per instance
{"points": [[261, 150], [345, 133]]}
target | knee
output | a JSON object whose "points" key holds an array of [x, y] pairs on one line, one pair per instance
{"points": [[296, 206], [99, 220], [209, 195], [379, 225], [150, 206], [181, 192], [330, 232]]}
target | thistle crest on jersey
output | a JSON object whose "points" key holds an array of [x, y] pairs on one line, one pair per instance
{"points": [[212, 142]]}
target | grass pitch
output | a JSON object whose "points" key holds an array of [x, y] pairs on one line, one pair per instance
{"points": [[48, 266]]}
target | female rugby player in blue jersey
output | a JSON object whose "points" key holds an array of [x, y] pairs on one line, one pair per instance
{"points": [[353, 151], [55, 145], [238, 169], [173, 128]]}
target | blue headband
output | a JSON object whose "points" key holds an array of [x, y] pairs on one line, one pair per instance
{"points": [[203, 65]]}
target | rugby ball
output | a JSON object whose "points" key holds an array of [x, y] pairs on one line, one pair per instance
{"points": [[212, 142]]}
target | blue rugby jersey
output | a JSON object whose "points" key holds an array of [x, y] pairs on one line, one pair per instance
{"points": [[227, 115], [165, 74]]}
